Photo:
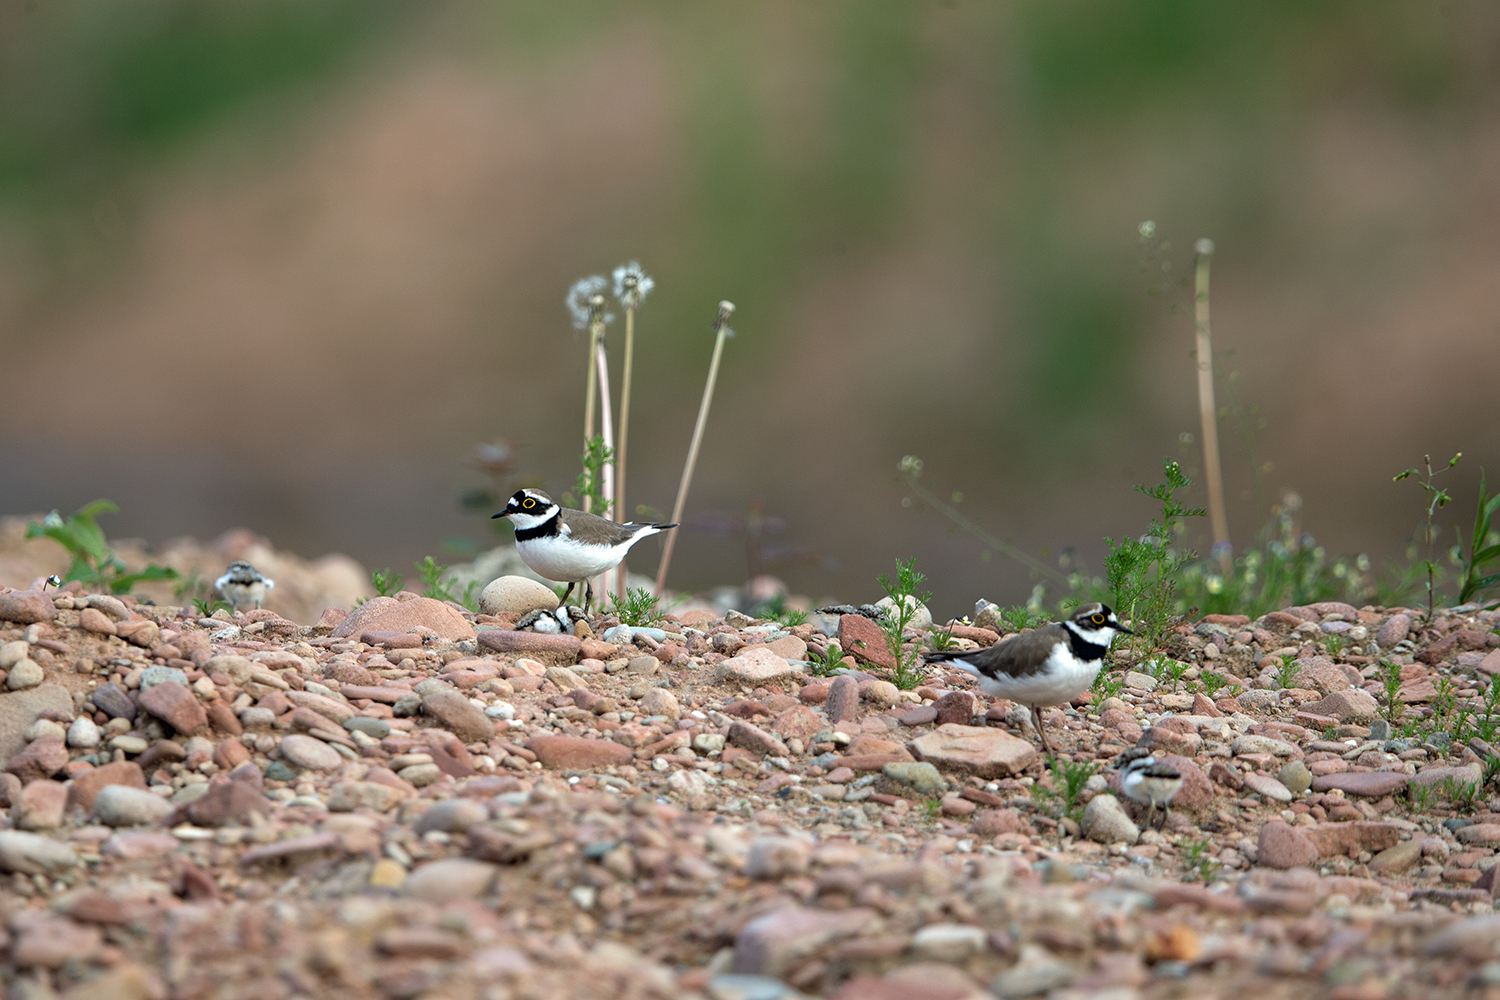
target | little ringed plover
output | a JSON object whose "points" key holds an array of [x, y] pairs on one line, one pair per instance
{"points": [[570, 546], [242, 584], [1150, 782], [1050, 665]]}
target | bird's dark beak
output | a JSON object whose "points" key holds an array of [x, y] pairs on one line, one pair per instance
{"points": [[1116, 623], [501, 514]]}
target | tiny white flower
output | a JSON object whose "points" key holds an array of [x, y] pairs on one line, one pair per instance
{"points": [[632, 285], [581, 296]]}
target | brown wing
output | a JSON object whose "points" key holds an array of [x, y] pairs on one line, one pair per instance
{"points": [[1017, 656], [596, 530]]}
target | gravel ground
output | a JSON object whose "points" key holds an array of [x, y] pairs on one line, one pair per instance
{"points": [[414, 801]]}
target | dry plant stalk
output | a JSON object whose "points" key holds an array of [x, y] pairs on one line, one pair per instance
{"points": [[631, 287], [721, 328], [1209, 414]]}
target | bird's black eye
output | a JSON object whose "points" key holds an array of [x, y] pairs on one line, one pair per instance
{"points": [[1097, 618], [528, 502]]}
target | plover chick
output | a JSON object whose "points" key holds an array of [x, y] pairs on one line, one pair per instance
{"points": [[242, 584], [1150, 782]]}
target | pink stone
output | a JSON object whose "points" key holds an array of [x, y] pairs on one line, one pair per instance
{"points": [[862, 638], [799, 722], [574, 753], [27, 607], [386, 614], [985, 752], [1370, 784], [41, 806], [175, 705], [559, 650], [1285, 846], [42, 758], [85, 786], [1334, 839]]}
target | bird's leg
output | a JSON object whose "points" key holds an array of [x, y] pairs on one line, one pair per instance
{"points": [[1150, 815], [588, 596], [1166, 813], [564, 602], [1036, 720]]}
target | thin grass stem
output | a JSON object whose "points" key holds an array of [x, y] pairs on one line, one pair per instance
{"points": [[1217, 516], [624, 432], [721, 327]]}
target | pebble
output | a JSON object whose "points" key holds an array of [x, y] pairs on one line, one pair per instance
{"points": [[1105, 821], [377, 728], [33, 854], [83, 733], [121, 805], [514, 596], [450, 880], [152, 676], [459, 716], [922, 778], [307, 752], [133, 745], [1268, 787], [1295, 776], [981, 751], [26, 673]]}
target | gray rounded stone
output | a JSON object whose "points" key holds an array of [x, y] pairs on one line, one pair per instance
{"points": [[83, 733], [33, 854], [1105, 821], [121, 805], [378, 728], [450, 880], [312, 754], [1296, 777], [152, 676], [451, 816], [24, 674], [920, 777]]}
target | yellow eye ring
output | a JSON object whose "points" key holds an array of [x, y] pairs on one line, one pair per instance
{"points": [[528, 502], [1097, 619]]}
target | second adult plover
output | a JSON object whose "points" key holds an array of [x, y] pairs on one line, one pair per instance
{"points": [[570, 546], [242, 584], [1050, 665]]}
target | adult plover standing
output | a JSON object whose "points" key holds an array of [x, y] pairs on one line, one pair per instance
{"points": [[242, 584], [1150, 782], [1050, 665], [570, 546]]}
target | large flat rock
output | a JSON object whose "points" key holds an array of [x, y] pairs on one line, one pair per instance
{"points": [[19, 709], [987, 753]]}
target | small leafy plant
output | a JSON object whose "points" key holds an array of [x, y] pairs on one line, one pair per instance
{"points": [[1483, 549], [1200, 860], [1069, 778], [1212, 683], [1143, 572], [776, 610], [1420, 796], [902, 591], [590, 494], [1108, 684], [639, 609], [826, 663], [386, 582], [940, 640], [1335, 644], [1436, 500], [206, 608], [95, 564], [1461, 793], [1286, 673], [1020, 618], [1390, 680]]}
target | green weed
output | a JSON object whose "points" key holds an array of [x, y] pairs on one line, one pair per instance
{"points": [[1069, 778], [940, 640], [1108, 684], [1200, 861], [1462, 794], [828, 662], [1021, 618], [1212, 683], [1286, 673], [1420, 796], [1143, 572], [639, 609], [589, 493], [934, 808], [386, 582], [902, 591], [206, 608], [776, 610], [1335, 644], [1436, 500], [95, 564], [1484, 548], [1390, 681]]}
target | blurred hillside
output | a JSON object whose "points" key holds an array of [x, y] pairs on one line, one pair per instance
{"points": [[284, 265]]}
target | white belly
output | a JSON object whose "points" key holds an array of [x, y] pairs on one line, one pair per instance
{"points": [[1149, 790], [559, 558], [1064, 678]]}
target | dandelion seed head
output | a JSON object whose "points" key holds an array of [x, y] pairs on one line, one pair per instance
{"points": [[632, 285], [726, 309], [580, 300]]}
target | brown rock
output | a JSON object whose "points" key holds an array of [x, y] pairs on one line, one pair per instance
{"points": [[863, 639], [1480, 834], [27, 607], [391, 640], [992, 822], [227, 801], [816, 693], [1285, 846], [842, 701], [1202, 706], [1398, 858], [987, 753], [459, 716], [1369, 784], [1334, 839], [955, 707], [86, 785], [386, 614], [41, 805], [574, 753], [230, 754], [96, 621], [222, 717], [1320, 674], [1171, 739], [1350, 705], [331, 618], [42, 758], [558, 650], [755, 739], [52, 942], [1394, 630], [770, 944], [799, 722], [1197, 792], [176, 706]]}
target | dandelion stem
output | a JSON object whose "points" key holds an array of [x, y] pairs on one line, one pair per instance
{"points": [[607, 472], [595, 329], [624, 431], [721, 327], [1209, 415]]}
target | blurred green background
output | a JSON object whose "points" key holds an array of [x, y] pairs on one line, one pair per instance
{"points": [[285, 264]]}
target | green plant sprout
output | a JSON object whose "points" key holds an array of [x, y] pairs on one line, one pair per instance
{"points": [[776, 610], [1200, 861], [940, 640], [1020, 618], [1436, 500], [386, 582], [828, 662], [590, 492], [1335, 644], [1390, 681], [1069, 778], [1286, 673], [1484, 548], [94, 564], [1212, 682], [206, 608], [1108, 684], [907, 672], [639, 609], [1143, 572]]}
